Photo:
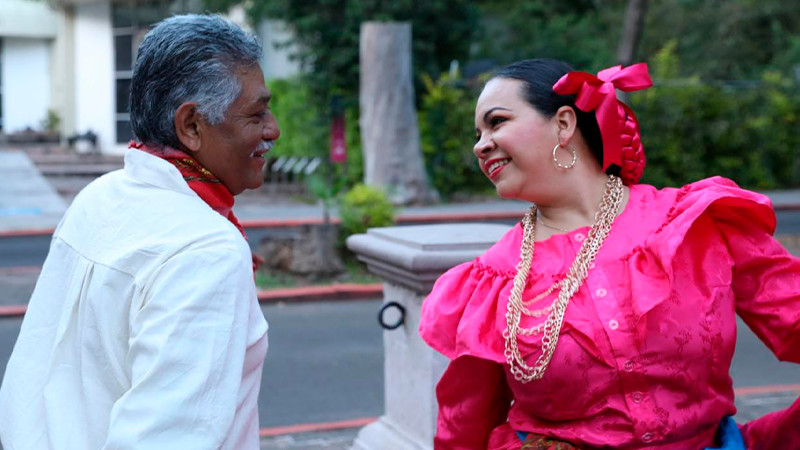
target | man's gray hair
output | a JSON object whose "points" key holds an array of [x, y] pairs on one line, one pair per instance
{"points": [[188, 58]]}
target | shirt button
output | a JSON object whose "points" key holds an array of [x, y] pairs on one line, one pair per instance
{"points": [[601, 292], [580, 237], [628, 366], [647, 437], [613, 324], [637, 397], [591, 265]]}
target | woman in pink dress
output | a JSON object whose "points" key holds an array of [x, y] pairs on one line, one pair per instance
{"points": [[606, 318]]}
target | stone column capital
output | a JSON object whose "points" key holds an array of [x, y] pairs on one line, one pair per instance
{"points": [[415, 256]]}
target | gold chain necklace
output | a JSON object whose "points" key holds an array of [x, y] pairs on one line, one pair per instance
{"points": [[572, 281]]}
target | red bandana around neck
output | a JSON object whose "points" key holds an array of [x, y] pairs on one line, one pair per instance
{"points": [[200, 180]]}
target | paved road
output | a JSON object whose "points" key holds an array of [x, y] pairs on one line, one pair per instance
{"points": [[324, 364]]}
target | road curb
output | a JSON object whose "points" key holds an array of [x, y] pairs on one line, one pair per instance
{"points": [[337, 291], [747, 391], [313, 427]]}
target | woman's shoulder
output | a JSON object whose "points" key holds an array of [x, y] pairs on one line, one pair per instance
{"points": [[719, 198], [460, 314], [709, 202]]}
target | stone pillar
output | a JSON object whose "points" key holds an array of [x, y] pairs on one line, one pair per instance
{"points": [[410, 259], [389, 125]]}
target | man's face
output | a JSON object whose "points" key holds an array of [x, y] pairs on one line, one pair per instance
{"points": [[234, 149]]}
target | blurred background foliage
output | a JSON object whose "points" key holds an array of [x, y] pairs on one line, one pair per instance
{"points": [[726, 99]]}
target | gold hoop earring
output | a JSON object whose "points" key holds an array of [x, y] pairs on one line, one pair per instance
{"points": [[562, 166]]}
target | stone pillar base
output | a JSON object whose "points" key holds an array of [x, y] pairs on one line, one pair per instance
{"points": [[410, 259]]}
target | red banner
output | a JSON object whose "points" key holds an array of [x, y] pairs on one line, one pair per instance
{"points": [[338, 143]]}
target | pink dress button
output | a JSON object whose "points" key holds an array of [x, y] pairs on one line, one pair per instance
{"points": [[613, 324], [637, 397], [580, 237], [628, 366], [601, 292]]}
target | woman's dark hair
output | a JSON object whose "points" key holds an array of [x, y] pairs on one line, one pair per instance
{"points": [[538, 77]]}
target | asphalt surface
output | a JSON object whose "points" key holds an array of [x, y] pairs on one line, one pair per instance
{"points": [[324, 364]]}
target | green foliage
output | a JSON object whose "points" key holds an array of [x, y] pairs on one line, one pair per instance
{"points": [[582, 32], [51, 122], [726, 40], [693, 129], [447, 132], [720, 40], [697, 121], [305, 131], [327, 33], [365, 207]]}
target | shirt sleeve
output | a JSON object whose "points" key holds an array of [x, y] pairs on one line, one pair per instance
{"points": [[766, 283], [186, 353], [474, 398]]}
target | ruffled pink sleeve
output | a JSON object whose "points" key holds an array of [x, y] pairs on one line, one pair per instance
{"points": [[463, 318], [766, 278], [766, 283], [465, 312]]}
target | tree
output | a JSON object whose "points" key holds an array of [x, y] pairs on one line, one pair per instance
{"points": [[632, 31], [327, 31], [389, 125], [580, 32], [727, 40]]}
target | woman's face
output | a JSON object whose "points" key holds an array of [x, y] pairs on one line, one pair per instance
{"points": [[514, 142]]}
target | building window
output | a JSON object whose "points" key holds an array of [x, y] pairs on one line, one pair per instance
{"points": [[131, 22]]}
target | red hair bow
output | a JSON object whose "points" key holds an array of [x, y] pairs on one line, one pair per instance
{"points": [[597, 93]]}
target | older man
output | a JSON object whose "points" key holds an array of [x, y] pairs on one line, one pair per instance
{"points": [[144, 330]]}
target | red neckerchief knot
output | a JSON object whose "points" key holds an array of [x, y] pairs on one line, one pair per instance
{"points": [[598, 93]]}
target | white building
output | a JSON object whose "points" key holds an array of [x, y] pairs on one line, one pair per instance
{"points": [[28, 31], [76, 60]]}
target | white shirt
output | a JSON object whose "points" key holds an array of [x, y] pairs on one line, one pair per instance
{"points": [[144, 330]]}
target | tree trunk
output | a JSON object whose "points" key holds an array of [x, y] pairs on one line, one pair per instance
{"points": [[632, 31], [389, 129]]}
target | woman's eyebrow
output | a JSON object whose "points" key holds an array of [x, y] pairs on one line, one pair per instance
{"points": [[487, 113]]}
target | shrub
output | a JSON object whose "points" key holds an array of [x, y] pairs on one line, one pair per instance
{"points": [[365, 207], [447, 132], [743, 131]]}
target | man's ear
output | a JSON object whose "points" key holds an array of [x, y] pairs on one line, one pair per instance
{"points": [[188, 126], [567, 123]]}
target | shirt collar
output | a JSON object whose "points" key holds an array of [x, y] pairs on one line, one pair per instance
{"points": [[155, 171]]}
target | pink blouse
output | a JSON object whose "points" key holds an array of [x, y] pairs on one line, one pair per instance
{"points": [[644, 354]]}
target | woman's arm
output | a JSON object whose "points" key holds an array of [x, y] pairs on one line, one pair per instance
{"points": [[474, 398], [766, 282]]}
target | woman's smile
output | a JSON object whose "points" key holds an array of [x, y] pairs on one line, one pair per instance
{"points": [[494, 166]]}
